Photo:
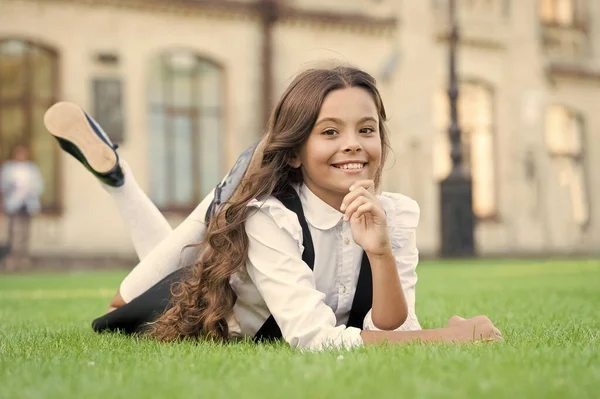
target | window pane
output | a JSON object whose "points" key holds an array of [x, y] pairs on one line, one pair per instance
{"points": [[43, 74], [211, 152], [182, 89], [211, 129], [158, 157], [482, 170], [547, 10], [182, 160], [181, 69], [579, 197], [210, 87], [564, 12], [563, 131], [555, 117], [482, 105], [12, 129], [13, 72]]}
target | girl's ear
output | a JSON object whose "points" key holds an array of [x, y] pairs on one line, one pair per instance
{"points": [[295, 162]]}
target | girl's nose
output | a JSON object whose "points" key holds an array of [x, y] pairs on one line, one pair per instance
{"points": [[352, 143]]}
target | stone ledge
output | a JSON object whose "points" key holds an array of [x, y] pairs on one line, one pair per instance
{"points": [[556, 71], [239, 9]]}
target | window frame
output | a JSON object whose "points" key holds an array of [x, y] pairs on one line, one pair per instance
{"points": [[28, 102], [494, 215], [578, 15], [581, 158], [193, 113]]}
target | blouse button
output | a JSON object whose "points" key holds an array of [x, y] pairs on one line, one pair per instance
{"points": [[347, 241], [343, 289]]}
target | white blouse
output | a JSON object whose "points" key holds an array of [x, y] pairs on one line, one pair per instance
{"points": [[311, 308]]}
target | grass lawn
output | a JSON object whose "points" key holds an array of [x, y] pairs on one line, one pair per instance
{"points": [[548, 311]]}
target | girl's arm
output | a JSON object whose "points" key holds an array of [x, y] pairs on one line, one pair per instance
{"points": [[389, 310], [403, 218], [370, 230], [478, 328]]}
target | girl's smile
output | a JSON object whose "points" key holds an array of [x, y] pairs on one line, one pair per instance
{"points": [[351, 167]]}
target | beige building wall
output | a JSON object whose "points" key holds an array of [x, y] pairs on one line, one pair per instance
{"points": [[501, 47]]}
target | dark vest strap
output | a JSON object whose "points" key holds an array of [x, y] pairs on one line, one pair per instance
{"points": [[290, 199], [363, 298]]}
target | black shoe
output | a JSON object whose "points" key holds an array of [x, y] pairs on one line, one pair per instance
{"points": [[83, 138]]}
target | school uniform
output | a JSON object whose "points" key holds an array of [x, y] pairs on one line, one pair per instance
{"points": [[311, 307], [289, 235]]}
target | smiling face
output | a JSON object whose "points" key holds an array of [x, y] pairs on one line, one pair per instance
{"points": [[344, 145]]}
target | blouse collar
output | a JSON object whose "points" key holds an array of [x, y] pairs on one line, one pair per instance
{"points": [[318, 213]]}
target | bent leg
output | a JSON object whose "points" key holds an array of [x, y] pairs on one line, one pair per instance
{"points": [[146, 291], [134, 316], [169, 255], [146, 224]]}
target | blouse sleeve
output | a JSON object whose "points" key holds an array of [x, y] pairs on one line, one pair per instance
{"points": [[287, 284], [403, 217]]}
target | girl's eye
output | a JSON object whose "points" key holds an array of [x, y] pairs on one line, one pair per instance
{"points": [[329, 132], [367, 130]]}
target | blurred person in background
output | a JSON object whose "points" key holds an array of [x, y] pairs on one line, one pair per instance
{"points": [[22, 185]]}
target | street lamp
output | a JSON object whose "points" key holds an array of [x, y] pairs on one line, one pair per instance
{"points": [[457, 219]]}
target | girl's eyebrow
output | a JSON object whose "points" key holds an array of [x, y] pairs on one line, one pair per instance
{"points": [[341, 122]]}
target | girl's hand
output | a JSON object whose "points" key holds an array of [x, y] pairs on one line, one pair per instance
{"points": [[367, 218], [478, 328]]}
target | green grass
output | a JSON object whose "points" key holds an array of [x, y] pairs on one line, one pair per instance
{"points": [[549, 313]]}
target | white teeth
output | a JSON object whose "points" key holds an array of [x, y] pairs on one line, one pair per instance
{"points": [[352, 166]]}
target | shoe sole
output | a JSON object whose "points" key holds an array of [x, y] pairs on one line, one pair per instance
{"points": [[67, 121]]}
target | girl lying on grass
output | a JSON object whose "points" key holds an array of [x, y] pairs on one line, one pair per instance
{"points": [[302, 249]]}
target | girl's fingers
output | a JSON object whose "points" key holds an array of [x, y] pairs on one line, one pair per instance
{"points": [[368, 185], [352, 195], [368, 207], [354, 205]]}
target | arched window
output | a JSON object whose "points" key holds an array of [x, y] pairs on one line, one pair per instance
{"points": [[28, 87], [564, 139], [185, 129], [566, 13], [476, 119]]}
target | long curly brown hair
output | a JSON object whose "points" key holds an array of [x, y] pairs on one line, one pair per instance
{"points": [[203, 300]]}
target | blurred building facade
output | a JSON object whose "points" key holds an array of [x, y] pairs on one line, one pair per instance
{"points": [[184, 86]]}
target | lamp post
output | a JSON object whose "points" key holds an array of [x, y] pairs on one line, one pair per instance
{"points": [[457, 219]]}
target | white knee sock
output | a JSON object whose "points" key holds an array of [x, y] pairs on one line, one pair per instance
{"points": [[158, 247], [147, 226], [167, 256]]}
